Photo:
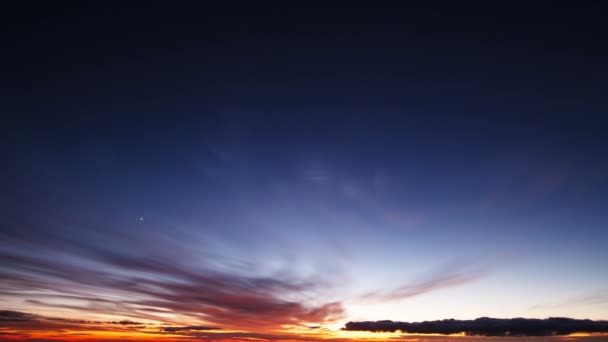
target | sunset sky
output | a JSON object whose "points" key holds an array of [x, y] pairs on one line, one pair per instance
{"points": [[271, 173]]}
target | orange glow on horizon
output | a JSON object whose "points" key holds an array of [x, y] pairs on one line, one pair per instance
{"points": [[340, 335]]}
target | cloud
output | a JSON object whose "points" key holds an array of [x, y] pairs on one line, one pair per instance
{"points": [[516, 181], [189, 328], [23, 322], [57, 328], [452, 275], [592, 299], [145, 287], [125, 322], [436, 283], [15, 316], [254, 336], [487, 326]]}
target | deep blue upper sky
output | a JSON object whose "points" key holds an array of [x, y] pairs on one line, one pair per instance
{"points": [[387, 151]]}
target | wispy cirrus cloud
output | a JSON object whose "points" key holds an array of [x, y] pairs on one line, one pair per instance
{"points": [[145, 288], [514, 181], [448, 276], [598, 298]]}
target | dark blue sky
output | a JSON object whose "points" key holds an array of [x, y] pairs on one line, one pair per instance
{"points": [[414, 163]]}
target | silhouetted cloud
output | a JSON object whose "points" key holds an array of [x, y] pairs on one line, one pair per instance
{"points": [[254, 336], [75, 321], [486, 326], [15, 316], [189, 328], [23, 323], [125, 322]]}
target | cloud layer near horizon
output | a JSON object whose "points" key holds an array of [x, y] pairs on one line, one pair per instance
{"points": [[486, 326], [153, 290]]}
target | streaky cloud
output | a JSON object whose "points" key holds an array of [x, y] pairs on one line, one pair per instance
{"points": [[15, 316], [224, 299], [450, 275], [189, 328], [27, 322], [126, 322]]}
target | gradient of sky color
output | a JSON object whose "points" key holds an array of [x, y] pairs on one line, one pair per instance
{"points": [[271, 172]]}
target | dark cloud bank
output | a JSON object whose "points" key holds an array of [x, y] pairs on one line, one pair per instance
{"points": [[15, 316], [487, 326], [189, 328]]}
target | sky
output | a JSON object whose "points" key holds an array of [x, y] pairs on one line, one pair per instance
{"points": [[273, 172]]}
